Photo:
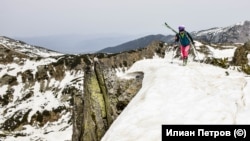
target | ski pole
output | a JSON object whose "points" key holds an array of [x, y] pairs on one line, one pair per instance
{"points": [[173, 53], [195, 51]]}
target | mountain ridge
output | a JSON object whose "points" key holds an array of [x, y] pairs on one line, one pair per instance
{"points": [[236, 33], [231, 34], [27, 49]]}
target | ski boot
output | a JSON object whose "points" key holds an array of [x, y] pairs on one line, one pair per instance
{"points": [[185, 61]]}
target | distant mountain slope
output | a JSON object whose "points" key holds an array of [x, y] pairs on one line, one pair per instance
{"points": [[136, 44], [26, 49], [237, 33]]}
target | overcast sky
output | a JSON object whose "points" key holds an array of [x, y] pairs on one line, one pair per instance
{"points": [[56, 17]]}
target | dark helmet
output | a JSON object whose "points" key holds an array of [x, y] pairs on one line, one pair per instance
{"points": [[181, 28]]}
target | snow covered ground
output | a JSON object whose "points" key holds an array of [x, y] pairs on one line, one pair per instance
{"points": [[52, 131], [175, 94]]}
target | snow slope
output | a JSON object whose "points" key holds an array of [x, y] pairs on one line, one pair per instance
{"points": [[175, 94], [23, 48], [60, 130]]}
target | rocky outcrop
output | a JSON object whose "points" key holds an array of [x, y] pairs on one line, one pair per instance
{"points": [[240, 54], [101, 103], [7, 55], [105, 95], [241, 58], [126, 59], [21, 84]]}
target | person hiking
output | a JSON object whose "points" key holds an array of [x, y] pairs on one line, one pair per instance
{"points": [[185, 39]]}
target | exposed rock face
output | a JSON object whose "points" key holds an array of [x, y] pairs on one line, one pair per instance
{"points": [[24, 78], [126, 59], [106, 95], [240, 54], [9, 56]]}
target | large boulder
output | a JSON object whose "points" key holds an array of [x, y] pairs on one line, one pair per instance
{"points": [[240, 55]]}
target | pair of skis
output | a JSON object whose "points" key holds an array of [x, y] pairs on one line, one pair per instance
{"points": [[192, 45], [171, 28]]}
